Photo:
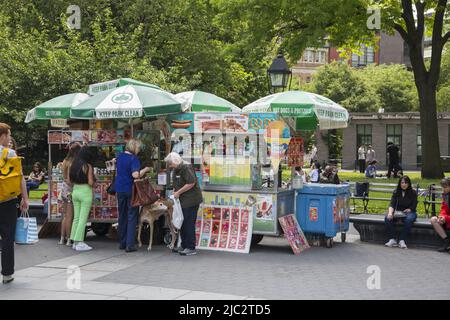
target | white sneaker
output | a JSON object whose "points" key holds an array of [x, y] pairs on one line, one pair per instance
{"points": [[61, 241], [391, 243], [402, 244], [70, 243], [74, 245], [81, 246]]}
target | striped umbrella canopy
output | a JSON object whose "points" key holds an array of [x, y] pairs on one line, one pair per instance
{"points": [[199, 101], [130, 101], [309, 110], [56, 108]]}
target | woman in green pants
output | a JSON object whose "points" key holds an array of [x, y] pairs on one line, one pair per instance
{"points": [[82, 177]]}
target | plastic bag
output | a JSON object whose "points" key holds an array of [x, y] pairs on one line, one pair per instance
{"points": [[178, 217]]}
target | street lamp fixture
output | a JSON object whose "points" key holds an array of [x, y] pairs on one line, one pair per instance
{"points": [[279, 74]]}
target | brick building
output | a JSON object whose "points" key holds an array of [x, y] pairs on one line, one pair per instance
{"points": [[391, 49], [402, 128]]}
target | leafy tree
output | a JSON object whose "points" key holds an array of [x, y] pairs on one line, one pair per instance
{"points": [[295, 25]]}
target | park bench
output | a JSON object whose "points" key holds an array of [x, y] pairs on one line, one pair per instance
{"points": [[371, 226]]}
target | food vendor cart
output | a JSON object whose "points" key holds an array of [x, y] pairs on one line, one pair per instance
{"points": [[104, 122], [320, 209], [230, 154]]}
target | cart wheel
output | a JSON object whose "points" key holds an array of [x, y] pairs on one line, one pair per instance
{"points": [[100, 229], [343, 236], [256, 238], [329, 242]]}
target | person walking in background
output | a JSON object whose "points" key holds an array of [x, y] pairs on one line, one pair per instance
{"points": [[66, 194], [403, 206], [370, 156], [8, 212], [128, 168], [81, 176], [362, 158], [394, 160], [442, 223], [188, 191]]}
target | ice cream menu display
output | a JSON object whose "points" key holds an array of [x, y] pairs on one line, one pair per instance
{"points": [[224, 228], [104, 206], [260, 206], [294, 233]]}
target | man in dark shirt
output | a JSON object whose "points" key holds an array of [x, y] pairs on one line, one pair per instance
{"points": [[394, 160]]}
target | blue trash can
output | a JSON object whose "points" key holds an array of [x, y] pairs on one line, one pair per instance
{"points": [[324, 209]]}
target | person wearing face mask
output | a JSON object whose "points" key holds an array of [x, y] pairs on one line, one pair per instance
{"points": [[403, 206]]}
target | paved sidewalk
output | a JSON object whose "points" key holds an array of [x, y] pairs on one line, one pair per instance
{"points": [[270, 271]]}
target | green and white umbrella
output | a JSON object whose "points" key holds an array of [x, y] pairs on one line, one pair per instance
{"points": [[130, 101], [103, 86], [309, 110], [56, 108], [199, 101]]}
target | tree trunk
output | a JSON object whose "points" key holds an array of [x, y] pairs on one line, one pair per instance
{"points": [[431, 161]]}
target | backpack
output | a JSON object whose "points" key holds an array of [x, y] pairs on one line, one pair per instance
{"points": [[10, 176]]}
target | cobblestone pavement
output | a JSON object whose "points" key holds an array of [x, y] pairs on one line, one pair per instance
{"points": [[270, 271]]}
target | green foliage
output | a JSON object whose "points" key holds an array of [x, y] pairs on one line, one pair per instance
{"points": [[177, 45], [393, 86], [366, 89]]}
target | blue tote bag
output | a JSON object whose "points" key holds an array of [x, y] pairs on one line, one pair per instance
{"points": [[26, 229]]}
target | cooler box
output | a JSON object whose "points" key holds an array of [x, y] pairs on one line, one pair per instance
{"points": [[323, 208]]}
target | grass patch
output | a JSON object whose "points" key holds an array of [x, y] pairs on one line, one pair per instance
{"points": [[37, 195], [379, 206]]}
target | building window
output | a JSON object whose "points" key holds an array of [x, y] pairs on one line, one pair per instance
{"points": [[394, 135], [367, 57], [419, 145], [308, 56], [363, 135], [320, 57]]}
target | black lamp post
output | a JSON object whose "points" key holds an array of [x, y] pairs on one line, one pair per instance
{"points": [[279, 74]]}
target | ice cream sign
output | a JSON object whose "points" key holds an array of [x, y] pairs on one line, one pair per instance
{"points": [[277, 137]]}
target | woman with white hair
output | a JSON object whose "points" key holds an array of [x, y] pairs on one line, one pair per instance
{"points": [[188, 191], [128, 168]]}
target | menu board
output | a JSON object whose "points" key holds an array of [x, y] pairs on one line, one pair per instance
{"points": [[59, 137], [293, 233], [100, 136], [224, 228], [235, 122], [295, 152], [208, 123], [260, 121]]}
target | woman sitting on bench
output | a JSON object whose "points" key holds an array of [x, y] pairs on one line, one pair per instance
{"points": [[36, 177], [441, 223], [403, 207]]}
